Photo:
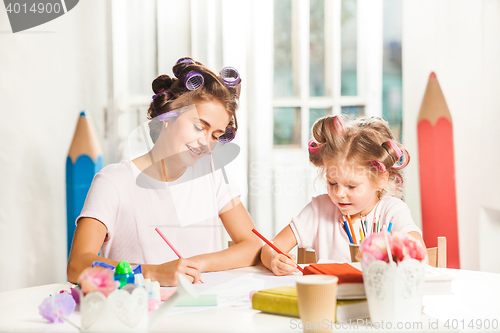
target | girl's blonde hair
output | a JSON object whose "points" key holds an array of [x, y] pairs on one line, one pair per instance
{"points": [[363, 142]]}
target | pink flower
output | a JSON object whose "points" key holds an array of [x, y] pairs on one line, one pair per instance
{"points": [[373, 248], [403, 246], [97, 279]]}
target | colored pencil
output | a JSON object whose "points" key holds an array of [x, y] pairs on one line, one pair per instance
{"points": [[171, 246], [352, 229], [85, 159], [437, 171], [274, 247], [362, 226], [168, 243], [390, 225], [361, 233], [348, 233]]}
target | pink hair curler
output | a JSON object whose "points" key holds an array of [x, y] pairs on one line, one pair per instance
{"points": [[313, 146], [402, 155], [398, 181], [339, 125], [379, 165]]}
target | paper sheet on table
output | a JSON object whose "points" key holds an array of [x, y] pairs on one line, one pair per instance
{"points": [[234, 289]]}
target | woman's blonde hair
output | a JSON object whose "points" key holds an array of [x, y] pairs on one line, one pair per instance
{"points": [[363, 142]]}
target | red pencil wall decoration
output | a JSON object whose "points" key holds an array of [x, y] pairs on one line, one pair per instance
{"points": [[437, 171]]}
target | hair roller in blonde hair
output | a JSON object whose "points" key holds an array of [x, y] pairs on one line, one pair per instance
{"points": [[339, 125], [402, 156], [313, 146], [379, 165]]}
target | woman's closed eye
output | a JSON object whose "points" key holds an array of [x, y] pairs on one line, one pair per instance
{"points": [[200, 129]]}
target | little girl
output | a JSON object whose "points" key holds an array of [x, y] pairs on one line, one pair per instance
{"points": [[361, 163]]}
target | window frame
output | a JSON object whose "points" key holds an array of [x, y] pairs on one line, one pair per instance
{"points": [[369, 63]]}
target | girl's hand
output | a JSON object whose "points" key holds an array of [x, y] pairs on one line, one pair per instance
{"points": [[167, 274], [283, 265]]}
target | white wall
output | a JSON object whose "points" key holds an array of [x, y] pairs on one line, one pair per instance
{"points": [[460, 41], [48, 74]]}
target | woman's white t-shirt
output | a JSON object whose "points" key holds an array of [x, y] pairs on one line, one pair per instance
{"points": [[319, 225], [131, 205]]}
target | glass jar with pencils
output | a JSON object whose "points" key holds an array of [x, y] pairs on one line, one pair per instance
{"points": [[393, 274]]}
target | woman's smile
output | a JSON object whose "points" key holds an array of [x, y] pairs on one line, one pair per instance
{"points": [[195, 152]]}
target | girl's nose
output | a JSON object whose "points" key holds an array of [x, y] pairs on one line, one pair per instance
{"points": [[340, 191]]}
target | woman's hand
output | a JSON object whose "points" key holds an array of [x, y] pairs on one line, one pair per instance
{"points": [[283, 265], [167, 274]]}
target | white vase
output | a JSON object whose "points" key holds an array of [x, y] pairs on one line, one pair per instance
{"points": [[394, 292]]}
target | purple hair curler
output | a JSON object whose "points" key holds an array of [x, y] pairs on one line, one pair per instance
{"points": [[167, 115], [161, 92], [185, 61], [230, 76], [193, 80], [228, 136]]}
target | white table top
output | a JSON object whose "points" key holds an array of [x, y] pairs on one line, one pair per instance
{"points": [[476, 296]]}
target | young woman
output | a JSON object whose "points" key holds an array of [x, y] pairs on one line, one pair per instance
{"points": [[173, 187]]}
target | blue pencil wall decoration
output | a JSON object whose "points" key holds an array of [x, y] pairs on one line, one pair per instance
{"points": [[84, 161]]}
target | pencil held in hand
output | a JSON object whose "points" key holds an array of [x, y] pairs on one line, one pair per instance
{"points": [[274, 247]]}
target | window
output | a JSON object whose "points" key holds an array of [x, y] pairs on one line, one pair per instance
{"points": [[316, 70]]}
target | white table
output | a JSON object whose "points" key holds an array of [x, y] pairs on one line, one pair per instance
{"points": [[476, 296]]}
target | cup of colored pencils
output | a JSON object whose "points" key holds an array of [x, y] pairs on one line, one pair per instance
{"points": [[354, 249]]}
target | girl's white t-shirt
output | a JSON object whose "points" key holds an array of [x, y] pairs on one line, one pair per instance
{"points": [[131, 205], [319, 225]]}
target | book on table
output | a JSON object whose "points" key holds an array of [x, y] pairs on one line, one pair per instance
{"points": [[350, 284], [284, 301]]}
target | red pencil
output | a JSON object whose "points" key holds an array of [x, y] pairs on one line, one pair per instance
{"points": [[274, 247], [437, 171]]}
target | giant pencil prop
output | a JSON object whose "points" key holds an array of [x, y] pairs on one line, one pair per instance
{"points": [[437, 171], [83, 162]]}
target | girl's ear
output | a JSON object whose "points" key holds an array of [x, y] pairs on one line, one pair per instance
{"points": [[383, 178]]}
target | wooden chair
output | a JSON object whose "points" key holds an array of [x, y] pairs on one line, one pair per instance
{"points": [[306, 256], [437, 255]]}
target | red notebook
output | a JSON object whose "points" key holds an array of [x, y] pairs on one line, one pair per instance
{"points": [[350, 285]]}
